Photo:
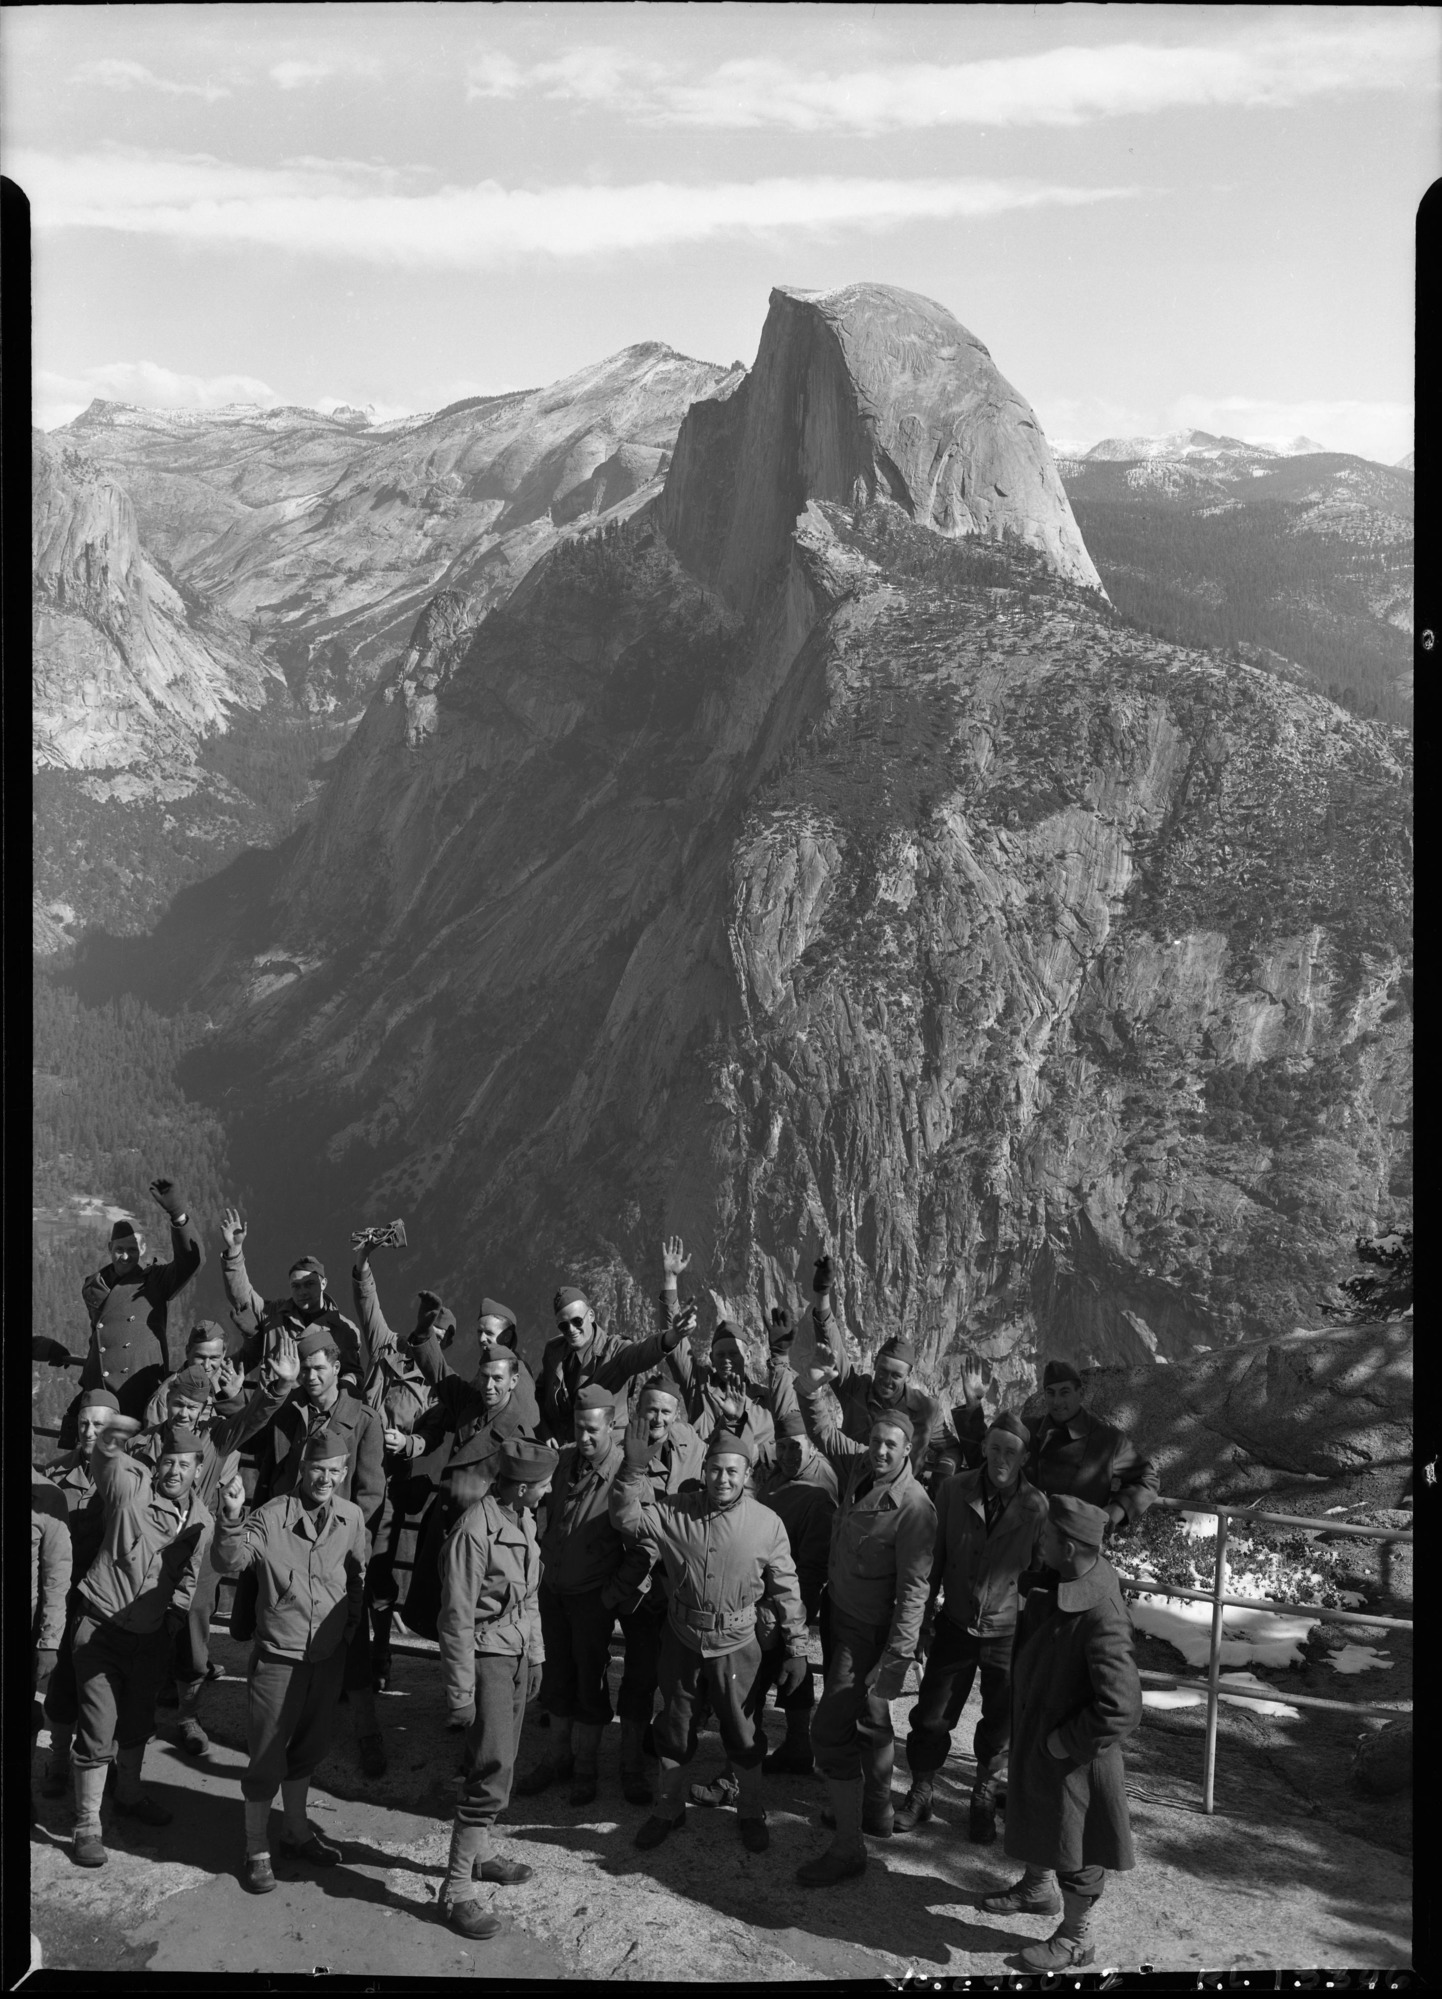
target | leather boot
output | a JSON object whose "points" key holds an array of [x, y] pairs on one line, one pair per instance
{"points": [[670, 1813], [1036, 1894], [878, 1815], [846, 1855], [192, 1737], [1069, 1945], [88, 1849], [635, 1786], [981, 1820], [554, 1767], [586, 1737], [750, 1812], [793, 1758], [131, 1801], [915, 1809], [56, 1781], [470, 1849]]}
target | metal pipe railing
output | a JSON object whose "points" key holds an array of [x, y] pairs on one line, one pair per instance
{"points": [[1249, 1696]]}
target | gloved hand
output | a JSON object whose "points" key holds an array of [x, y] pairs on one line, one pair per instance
{"points": [[888, 1680], [45, 1664], [428, 1304], [533, 1679], [792, 1673], [164, 1192], [782, 1331], [821, 1282], [461, 1718], [637, 1445]]}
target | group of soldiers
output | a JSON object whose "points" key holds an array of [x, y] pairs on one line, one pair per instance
{"points": [[340, 1473]]}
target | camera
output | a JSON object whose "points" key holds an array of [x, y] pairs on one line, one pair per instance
{"points": [[390, 1235]]}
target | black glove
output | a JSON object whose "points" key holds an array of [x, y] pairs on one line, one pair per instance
{"points": [[821, 1282], [782, 1331], [164, 1192]]}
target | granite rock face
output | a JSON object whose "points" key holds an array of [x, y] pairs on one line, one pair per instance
{"points": [[129, 670], [784, 867]]}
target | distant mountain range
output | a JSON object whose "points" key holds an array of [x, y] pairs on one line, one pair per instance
{"points": [[1201, 444]]}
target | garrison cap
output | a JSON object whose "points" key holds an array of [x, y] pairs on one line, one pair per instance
{"points": [[490, 1309], [727, 1338], [593, 1396], [203, 1332], [791, 1425], [99, 1398], [1011, 1423], [661, 1384], [894, 1419], [724, 1442], [327, 1443], [178, 1439], [316, 1339], [312, 1265], [192, 1384], [526, 1461], [1079, 1521], [123, 1231], [569, 1295], [1059, 1370], [897, 1349]]}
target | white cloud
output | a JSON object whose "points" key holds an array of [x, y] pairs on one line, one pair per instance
{"points": [[1380, 430], [1286, 60], [116, 73], [298, 72], [335, 209], [57, 398]]}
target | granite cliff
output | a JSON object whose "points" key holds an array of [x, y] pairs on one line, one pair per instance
{"points": [[801, 860]]}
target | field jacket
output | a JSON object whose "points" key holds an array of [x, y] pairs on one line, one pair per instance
{"points": [[806, 1508], [394, 1384], [879, 1573], [611, 1362], [309, 1578], [431, 1355], [1086, 1457], [976, 1571], [856, 1392], [280, 1443], [580, 1548], [50, 1559], [260, 1319], [718, 1564], [490, 1573], [150, 1553]]}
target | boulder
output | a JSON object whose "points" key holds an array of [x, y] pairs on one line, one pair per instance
{"points": [[1382, 1765]]}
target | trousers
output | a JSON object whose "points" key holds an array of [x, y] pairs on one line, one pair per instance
{"points": [[800, 1700], [641, 1672], [290, 1718], [727, 1681], [192, 1641], [951, 1669], [493, 1739], [117, 1677], [1088, 1881], [576, 1630], [847, 1711]]}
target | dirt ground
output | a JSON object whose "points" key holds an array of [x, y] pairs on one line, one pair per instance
{"points": [[1294, 1869]]}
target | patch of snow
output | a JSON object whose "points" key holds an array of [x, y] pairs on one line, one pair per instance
{"points": [[1270, 1638], [1196, 1524], [1359, 1659], [1171, 1697]]}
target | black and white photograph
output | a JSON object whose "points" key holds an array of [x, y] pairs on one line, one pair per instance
{"points": [[722, 983]]}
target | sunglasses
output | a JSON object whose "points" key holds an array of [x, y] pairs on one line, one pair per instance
{"points": [[570, 1325]]}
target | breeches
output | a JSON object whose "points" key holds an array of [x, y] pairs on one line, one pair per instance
{"points": [[290, 1718], [117, 1677], [577, 1631], [727, 1681], [846, 1712], [192, 1641], [641, 1674], [1088, 1881], [951, 1669], [493, 1738]]}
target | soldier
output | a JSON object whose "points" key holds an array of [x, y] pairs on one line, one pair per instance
{"points": [[1075, 1698], [399, 1390], [188, 1402], [309, 1304], [49, 1589], [132, 1600], [491, 1656], [128, 1301], [587, 1575], [307, 1552], [889, 1386], [1071, 1450], [458, 1353], [321, 1404], [987, 1524], [73, 1480], [723, 1551], [876, 1589], [715, 1391], [581, 1352]]}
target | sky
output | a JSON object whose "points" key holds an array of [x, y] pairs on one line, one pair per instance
{"points": [[1155, 217]]}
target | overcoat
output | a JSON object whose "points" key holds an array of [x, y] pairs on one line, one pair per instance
{"points": [[1072, 1671]]}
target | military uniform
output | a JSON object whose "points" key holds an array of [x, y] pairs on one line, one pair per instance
{"points": [[609, 1361], [1086, 1457], [806, 1506], [129, 1325], [856, 1392], [261, 1319]]}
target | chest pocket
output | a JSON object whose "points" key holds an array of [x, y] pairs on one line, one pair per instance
{"points": [[873, 1541]]}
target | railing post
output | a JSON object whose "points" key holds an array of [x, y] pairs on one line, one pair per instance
{"points": [[1214, 1665]]}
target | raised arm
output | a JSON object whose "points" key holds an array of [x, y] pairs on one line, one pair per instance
{"points": [[376, 1336], [247, 1307], [822, 1417], [830, 1335], [187, 1250], [259, 1409], [240, 1537], [635, 1510]]}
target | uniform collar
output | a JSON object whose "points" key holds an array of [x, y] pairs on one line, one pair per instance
{"points": [[1098, 1583], [1075, 1426]]}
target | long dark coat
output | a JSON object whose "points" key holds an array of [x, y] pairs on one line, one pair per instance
{"points": [[1072, 1670]]}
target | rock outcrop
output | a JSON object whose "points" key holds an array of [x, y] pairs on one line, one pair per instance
{"points": [[129, 670], [779, 869]]}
